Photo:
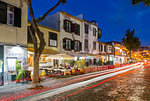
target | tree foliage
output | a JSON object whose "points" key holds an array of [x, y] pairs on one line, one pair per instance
{"points": [[146, 2], [130, 41]]}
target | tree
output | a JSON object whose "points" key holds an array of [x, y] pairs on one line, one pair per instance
{"points": [[36, 34], [130, 41], [146, 2]]}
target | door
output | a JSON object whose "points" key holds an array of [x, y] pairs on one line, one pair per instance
{"points": [[11, 68], [55, 62], [1, 65]]}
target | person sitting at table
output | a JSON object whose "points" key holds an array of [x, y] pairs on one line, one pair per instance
{"points": [[68, 67]]}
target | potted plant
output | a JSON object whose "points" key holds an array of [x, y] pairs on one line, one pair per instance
{"points": [[20, 72]]}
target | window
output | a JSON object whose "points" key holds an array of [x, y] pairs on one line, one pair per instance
{"points": [[67, 25], [94, 45], [105, 48], [55, 62], [77, 45], [101, 48], [94, 31], [3, 12], [86, 26], [52, 39], [68, 44], [110, 49], [10, 15], [77, 29], [86, 45], [99, 33]]}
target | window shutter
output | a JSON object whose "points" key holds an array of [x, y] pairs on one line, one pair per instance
{"points": [[17, 17], [72, 45], [64, 43], [78, 29], [80, 46], [3, 12], [52, 36], [65, 24], [73, 28]]}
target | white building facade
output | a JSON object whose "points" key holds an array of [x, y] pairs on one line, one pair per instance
{"points": [[90, 45], [70, 28]]}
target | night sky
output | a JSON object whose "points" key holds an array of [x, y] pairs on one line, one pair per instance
{"points": [[113, 16]]}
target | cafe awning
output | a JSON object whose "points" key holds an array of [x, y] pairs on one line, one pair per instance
{"points": [[45, 51], [61, 56]]}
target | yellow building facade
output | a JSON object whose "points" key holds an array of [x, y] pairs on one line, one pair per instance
{"points": [[52, 47]]}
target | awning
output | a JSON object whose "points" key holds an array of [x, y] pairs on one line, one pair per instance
{"points": [[61, 56], [45, 51]]}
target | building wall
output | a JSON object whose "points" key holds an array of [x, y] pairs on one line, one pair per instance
{"points": [[15, 35], [64, 34], [90, 37], [46, 31]]}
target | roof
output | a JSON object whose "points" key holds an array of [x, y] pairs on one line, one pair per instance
{"points": [[71, 16], [104, 43], [115, 42], [45, 27], [78, 18], [45, 51], [90, 22]]}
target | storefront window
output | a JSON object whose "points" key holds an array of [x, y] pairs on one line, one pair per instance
{"points": [[13, 54]]}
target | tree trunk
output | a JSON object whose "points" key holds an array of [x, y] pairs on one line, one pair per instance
{"points": [[37, 34], [37, 54], [36, 78], [130, 54]]}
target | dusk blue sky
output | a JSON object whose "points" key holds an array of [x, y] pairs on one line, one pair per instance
{"points": [[113, 16]]}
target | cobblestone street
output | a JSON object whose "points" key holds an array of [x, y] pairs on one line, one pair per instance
{"points": [[131, 87]]}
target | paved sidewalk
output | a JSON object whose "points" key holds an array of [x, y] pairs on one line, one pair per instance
{"points": [[20, 90]]}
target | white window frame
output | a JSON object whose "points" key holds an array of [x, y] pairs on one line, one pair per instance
{"points": [[77, 45], [68, 26], [8, 15], [68, 46]]}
